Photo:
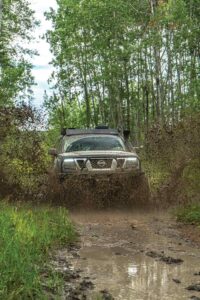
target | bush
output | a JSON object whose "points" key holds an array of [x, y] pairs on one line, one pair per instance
{"points": [[23, 152], [189, 214]]}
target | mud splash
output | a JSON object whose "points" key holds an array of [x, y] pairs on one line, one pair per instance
{"points": [[113, 254], [101, 192]]}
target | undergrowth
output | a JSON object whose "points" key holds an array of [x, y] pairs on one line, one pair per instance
{"points": [[27, 235], [189, 214]]}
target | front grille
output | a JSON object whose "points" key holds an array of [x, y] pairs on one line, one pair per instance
{"points": [[101, 163], [81, 163]]}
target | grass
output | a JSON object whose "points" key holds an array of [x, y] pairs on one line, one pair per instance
{"points": [[189, 214], [27, 235]]}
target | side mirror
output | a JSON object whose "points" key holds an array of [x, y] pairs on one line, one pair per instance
{"points": [[53, 152], [63, 131], [126, 133]]}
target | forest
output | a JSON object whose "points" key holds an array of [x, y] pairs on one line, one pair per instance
{"points": [[128, 64]]}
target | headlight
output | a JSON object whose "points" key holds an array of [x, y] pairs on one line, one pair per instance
{"points": [[132, 163], [69, 164]]}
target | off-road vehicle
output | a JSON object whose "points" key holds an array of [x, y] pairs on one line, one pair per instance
{"points": [[100, 160]]}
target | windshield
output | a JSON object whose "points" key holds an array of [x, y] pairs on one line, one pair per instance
{"points": [[94, 143]]}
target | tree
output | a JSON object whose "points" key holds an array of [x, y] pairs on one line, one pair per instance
{"points": [[17, 23], [129, 63]]}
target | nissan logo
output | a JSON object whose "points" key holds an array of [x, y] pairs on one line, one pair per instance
{"points": [[101, 163]]}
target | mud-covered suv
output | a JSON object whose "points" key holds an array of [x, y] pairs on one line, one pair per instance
{"points": [[98, 154]]}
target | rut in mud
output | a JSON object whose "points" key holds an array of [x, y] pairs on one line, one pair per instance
{"points": [[133, 255]]}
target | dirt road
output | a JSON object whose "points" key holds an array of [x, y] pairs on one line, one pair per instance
{"points": [[135, 256]]}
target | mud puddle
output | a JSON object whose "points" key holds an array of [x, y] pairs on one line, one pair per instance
{"points": [[136, 255], [136, 276]]}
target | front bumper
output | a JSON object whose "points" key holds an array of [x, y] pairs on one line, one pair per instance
{"points": [[100, 176]]}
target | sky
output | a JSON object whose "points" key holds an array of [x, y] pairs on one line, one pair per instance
{"points": [[41, 68]]}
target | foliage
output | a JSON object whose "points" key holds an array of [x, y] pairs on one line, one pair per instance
{"points": [[189, 214], [125, 63], [20, 143], [23, 152], [16, 25], [26, 235]]}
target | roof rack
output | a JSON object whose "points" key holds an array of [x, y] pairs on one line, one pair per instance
{"points": [[70, 132]]}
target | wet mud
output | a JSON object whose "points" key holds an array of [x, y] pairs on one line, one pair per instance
{"points": [[138, 255]]}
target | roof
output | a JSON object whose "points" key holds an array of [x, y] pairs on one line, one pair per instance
{"points": [[70, 132]]}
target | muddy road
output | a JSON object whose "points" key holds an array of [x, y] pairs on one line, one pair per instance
{"points": [[137, 255]]}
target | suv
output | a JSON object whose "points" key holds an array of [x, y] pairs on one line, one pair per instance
{"points": [[100, 154]]}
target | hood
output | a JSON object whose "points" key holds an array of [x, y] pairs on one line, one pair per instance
{"points": [[102, 154]]}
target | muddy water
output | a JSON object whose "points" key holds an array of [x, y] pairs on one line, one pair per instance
{"points": [[113, 254]]}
